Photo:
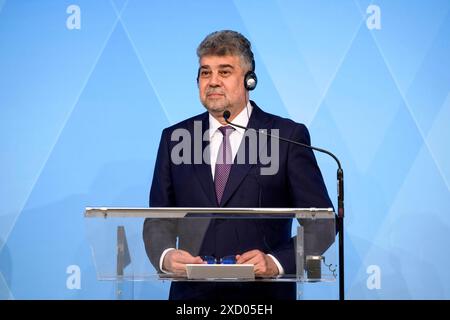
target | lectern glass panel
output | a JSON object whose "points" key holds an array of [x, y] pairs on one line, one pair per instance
{"points": [[127, 243]]}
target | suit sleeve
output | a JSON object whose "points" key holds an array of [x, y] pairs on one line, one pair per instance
{"points": [[307, 189], [160, 234]]}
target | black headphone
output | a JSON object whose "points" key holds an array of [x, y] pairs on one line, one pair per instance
{"points": [[250, 79]]}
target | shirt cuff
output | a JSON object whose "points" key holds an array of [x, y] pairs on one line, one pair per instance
{"points": [[161, 260], [280, 268]]}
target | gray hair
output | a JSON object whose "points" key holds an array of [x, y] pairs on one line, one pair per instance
{"points": [[227, 42]]}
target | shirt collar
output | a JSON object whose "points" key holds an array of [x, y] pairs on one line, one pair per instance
{"points": [[241, 119]]}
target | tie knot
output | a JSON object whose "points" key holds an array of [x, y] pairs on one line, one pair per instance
{"points": [[226, 130]]}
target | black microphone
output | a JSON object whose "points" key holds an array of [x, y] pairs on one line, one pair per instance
{"points": [[340, 194]]}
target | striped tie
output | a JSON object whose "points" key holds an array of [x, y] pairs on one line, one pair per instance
{"points": [[224, 162]]}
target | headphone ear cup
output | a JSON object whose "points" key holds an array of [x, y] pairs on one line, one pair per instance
{"points": [[250, 81]]}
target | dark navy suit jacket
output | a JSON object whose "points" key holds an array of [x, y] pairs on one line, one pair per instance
{"points": [[298, 183]]}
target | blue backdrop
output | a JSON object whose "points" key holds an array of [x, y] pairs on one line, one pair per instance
{"points": [[87, 86]]}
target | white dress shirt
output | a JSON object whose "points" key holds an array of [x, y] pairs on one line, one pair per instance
{"points": [[215, 138]]}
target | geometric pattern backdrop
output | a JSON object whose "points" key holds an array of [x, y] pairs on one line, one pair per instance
{"points": [[82, 109]]}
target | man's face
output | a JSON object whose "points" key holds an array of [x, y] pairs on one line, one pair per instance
{"points": [[221, 85]]}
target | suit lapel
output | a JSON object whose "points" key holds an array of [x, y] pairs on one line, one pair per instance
{"points": [[203, 170], [258, 120]]}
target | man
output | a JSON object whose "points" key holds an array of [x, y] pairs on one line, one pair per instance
{"points": [[224, 79]]}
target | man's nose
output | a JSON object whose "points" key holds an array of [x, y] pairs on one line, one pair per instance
{"points": [[214, 81]]}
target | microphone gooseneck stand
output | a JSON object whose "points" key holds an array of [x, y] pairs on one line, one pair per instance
{"points": [[340, 195]]}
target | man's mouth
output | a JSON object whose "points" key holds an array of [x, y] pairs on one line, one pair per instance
{"points": [[214, 95]]}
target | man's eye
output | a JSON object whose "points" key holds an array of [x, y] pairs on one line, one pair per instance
{"points": [[224, 73], [205, 73]]}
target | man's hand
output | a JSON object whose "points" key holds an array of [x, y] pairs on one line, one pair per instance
{"points": [[263, 264], [175, 261]]}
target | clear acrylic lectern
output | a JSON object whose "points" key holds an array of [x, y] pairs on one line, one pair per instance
{"points": [[120, 255]]}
